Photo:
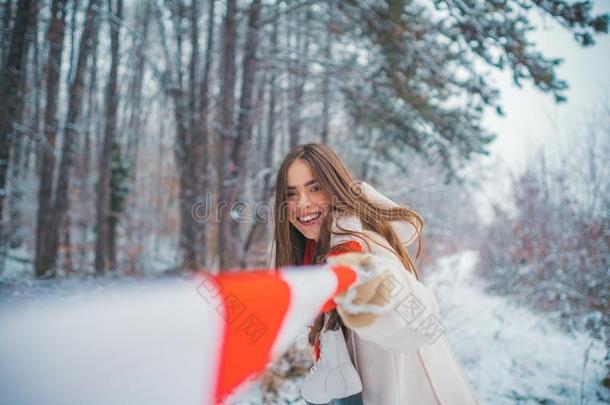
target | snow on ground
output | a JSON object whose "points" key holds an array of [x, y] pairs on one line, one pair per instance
{"points": [[510, 353]]}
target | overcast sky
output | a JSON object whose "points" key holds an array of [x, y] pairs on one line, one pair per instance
{"points": [[533, 119]]}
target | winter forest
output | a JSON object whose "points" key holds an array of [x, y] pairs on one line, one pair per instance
{"points": [[140, 139]]}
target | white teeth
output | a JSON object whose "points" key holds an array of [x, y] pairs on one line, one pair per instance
{"points": [[309, 217]]}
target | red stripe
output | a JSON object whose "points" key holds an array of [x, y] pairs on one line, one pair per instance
{"points": [[345, 277], [310, 250], [256, 304], [345, 247]]}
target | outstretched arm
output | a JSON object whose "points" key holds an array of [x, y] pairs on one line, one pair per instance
{"points": [[387, 305]]}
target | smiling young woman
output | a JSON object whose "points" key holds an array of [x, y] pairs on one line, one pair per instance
{"points": [[367, 347]]}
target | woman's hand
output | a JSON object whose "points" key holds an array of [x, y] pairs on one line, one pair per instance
{"points": [[370, 292], [365, 292]]}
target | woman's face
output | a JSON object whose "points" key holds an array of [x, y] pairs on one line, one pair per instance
{"points": [[308, 205]]}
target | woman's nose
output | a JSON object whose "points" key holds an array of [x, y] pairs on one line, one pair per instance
{"points": [[304, 201]]}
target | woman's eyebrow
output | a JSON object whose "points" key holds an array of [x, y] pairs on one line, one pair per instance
{"points": [[309, 183]]}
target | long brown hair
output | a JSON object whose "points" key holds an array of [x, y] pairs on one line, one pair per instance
{"points": [[346, 197]]}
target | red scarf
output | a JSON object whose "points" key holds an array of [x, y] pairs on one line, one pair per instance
{"points": [[345, 247], [310, 248]]}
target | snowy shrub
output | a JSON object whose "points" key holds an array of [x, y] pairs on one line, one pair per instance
{"points": [[553, 251]]}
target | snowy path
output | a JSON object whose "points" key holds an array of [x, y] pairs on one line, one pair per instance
{"points": [[510, 354]]}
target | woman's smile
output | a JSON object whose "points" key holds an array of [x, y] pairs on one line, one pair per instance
{"points": [[310, 219]]}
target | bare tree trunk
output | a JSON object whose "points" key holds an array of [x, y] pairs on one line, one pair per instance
{"points": [[7, 16], [184, 116], [12, 239], [299, 76], [37, 143], [242, 148], [67, 243], [103, 259], [265, 195], [202, 139], [226, 173], [86, 188], [72, 130], [91, 114], [326, 83], [118, 194], [134, 232], [271, 130], [74, 10], [195, 149], [169, 77], [135, 93], [11, 91], [55, 38], [38, 83]]}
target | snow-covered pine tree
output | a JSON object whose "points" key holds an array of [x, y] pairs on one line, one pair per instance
{"points": [[419, 72]]}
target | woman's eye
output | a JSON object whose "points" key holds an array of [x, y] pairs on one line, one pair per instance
{"points": [[315, 188], [291, 195]]}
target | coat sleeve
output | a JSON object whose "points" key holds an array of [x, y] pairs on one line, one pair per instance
{"points": [[402, 314]]}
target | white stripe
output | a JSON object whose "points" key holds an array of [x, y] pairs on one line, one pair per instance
{"points": [[150, 342], [310, 288]]}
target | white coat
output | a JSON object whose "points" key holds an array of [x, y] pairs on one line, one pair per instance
{"points": [[403, 357]]}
